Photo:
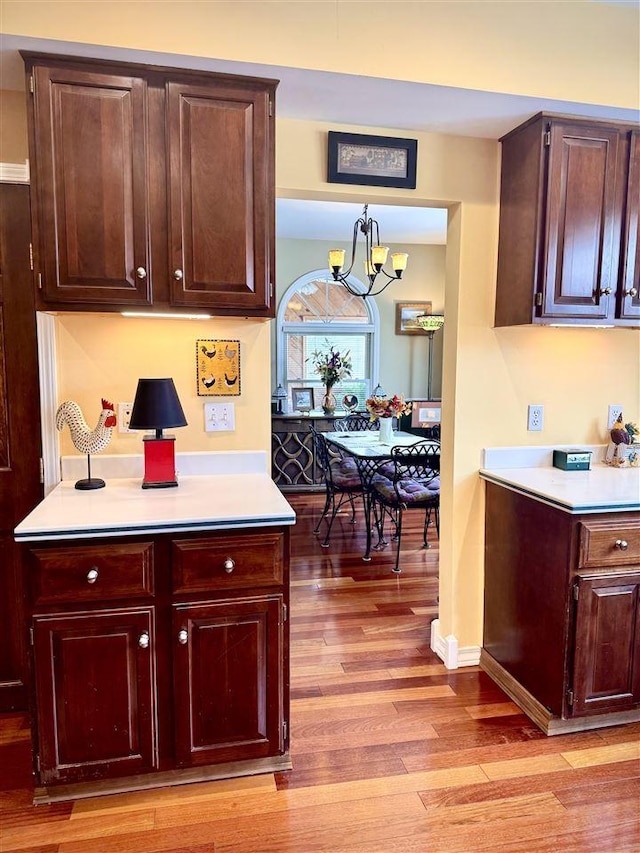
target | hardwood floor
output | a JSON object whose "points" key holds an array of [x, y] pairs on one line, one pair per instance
{"points": [[391, 751]]}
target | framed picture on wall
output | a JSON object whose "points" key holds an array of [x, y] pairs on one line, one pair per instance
{"points": [[406, 313], [373, 161], [302, 399], [218, 368]]}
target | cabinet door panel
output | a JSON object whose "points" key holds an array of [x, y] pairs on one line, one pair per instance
{"points": [[228, 680], [583, 223], [221, 196], [95, 690], [91, 186], [630, 290], [607, 646]]}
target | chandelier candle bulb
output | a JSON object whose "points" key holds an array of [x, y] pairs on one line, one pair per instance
{"points": [[336, 259], [399, 261], [379, 256]]}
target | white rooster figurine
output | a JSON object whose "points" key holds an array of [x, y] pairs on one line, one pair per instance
{"points": [[85, 439]]}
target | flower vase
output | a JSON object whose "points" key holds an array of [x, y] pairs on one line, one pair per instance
{"points": [[328, 402], [386, 430]]}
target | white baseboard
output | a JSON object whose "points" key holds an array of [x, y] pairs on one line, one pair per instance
{"points": [[14, 173], [448, 650]]}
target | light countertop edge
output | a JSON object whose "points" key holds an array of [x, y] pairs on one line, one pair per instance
{"points": [[123, 508], [601, 489]]}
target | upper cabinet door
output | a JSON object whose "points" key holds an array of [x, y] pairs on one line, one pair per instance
{"points": [[89, 147], [630, 290], [583, 222], [221, 195]]}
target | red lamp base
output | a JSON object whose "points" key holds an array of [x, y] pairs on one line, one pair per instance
{"points": [[159, 462]]}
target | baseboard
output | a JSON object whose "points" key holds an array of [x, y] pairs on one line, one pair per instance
{"points": [[541, 716], [14, 173], [447, 649]]}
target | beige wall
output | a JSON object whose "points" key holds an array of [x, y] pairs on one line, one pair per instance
{"points": [[574, 50], [403, 358], [102, 355], [578, 50], [13, 127]]}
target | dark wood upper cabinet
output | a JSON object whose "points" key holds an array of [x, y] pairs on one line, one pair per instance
{"points": [[567, 189], [630, 290], [220, 215], [154, 187]]}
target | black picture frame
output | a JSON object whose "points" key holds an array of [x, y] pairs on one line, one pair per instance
{"points": [[374, 161]]}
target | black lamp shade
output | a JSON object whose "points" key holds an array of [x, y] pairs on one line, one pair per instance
{"points": [[156, 406]]}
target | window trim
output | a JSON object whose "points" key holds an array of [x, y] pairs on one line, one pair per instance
{"points": [[372, 328]]}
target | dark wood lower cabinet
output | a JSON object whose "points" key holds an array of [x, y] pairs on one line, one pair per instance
{"points": [[562, 611], [156, 655], [227, 680], [607, 643], [96, 694]]}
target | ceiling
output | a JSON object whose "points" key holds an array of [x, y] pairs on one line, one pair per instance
{"points": [[343, 99]]}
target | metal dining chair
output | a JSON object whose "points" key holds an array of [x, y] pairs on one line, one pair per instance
{"points": [[354, 422], [342, 482], [411, 482]]}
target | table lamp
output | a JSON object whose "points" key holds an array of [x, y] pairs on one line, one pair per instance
{"points": [[156, 406]]}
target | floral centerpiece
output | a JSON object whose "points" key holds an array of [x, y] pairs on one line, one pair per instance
{"points": [[332, 367], [384, 409], [387, 407]]}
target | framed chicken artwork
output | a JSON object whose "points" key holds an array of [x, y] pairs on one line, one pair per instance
{"points": [[218, 368]]}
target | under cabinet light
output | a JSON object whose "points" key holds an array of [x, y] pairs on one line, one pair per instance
{"points": [[576, 326], [166, 316]]}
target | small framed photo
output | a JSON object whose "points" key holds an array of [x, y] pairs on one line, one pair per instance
{"points": [[406, 313], [302, 399], [373, 161]]}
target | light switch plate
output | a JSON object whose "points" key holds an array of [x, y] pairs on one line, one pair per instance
{"points": [[219, 417]]}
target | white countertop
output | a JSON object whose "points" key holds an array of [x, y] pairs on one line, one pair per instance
{"points": [[601, 489], [207, 502]]}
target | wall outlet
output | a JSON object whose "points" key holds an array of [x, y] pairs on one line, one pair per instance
{"points": [[219, 417], [124, 417], [614, 414], [535, 418]]}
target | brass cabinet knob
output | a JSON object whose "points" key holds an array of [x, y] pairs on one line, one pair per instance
{"points": [[141, 273], [183, 637], [229, 565], [92, 575], [633, 292], [622, 544], [177, 274], [143, 641], [606, 291]]}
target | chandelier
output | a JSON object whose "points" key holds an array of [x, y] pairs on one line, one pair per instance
{"points": [[375, 258]]}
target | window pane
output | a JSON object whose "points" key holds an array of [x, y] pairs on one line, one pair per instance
{"points": [[325, 302]]}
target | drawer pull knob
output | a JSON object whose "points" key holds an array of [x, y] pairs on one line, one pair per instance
{"points": [[143, 642], [183, 637], [622, 544], [606, 291], [229, 565], [633, 291], [92, 575], [141, 273], [177, 274]]}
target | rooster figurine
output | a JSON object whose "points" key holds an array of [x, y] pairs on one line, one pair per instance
{"points": [[85, 439]]}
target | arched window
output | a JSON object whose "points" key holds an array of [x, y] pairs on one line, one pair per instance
{"points": [[316, 313]]}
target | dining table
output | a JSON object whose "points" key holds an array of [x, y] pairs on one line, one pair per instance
{"points": [[368, 452]]}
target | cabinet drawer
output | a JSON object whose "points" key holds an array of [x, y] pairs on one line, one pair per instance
{"points": [[93, 572], [228, 562], [614, 543]]}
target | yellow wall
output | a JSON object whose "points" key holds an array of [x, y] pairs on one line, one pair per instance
{"points": [[403, 358], [573, 50], [102, 355], [578, 50]]}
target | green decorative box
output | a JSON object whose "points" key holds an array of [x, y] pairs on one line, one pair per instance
{"points": [[572, 460]]}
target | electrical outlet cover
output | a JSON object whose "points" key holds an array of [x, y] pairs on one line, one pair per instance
{"points": [[535, 418], [124, 417], [614, 413]]}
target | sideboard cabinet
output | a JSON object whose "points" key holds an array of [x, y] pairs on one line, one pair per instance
{"points": [[562, 611], [568, 249], [294, 467], [153, 187], [158, 659]]}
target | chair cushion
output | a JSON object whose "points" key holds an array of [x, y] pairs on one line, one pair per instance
{"points": [[406, 490], [344, 474]]}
